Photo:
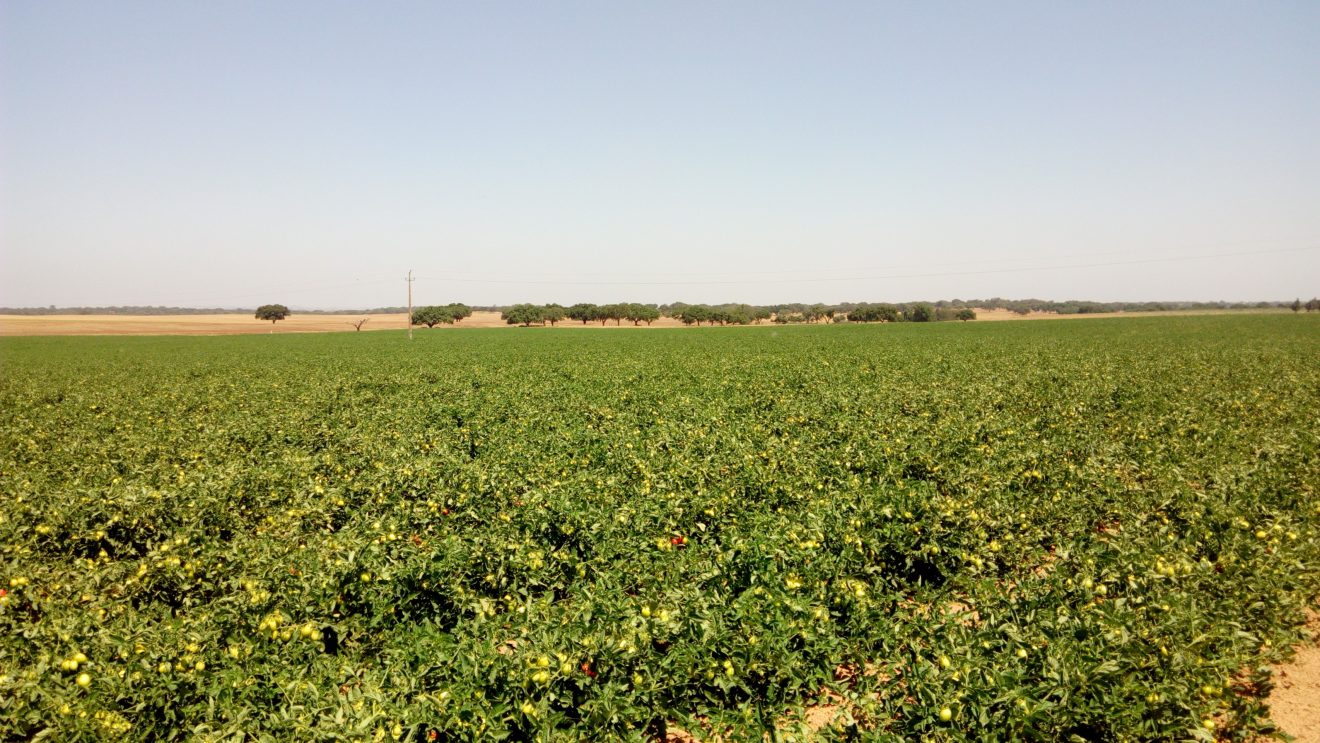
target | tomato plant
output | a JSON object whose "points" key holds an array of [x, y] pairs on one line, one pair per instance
{"points": [[1031, 531]]}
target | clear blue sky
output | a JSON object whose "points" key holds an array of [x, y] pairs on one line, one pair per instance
{"points": [[310, 153]]}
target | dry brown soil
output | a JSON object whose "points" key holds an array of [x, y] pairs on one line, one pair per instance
{"points": [[308, 323], [244, 324], [1295, 701]]}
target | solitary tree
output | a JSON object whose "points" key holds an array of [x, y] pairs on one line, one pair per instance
{"points": [[1296, 305], [358, 325], [965, 314], [1313, 305], [459, 310], [272, 312]]}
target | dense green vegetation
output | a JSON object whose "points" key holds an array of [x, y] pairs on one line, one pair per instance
{"points": [[1032, 531], [448, 314]]}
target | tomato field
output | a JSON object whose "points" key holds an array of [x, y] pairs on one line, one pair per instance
{"points": [[1100, 530]]}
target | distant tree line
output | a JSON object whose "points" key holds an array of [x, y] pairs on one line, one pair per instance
{"points": [[798, 313], [718, 314], [712, 314], [534, 314], [911, 312], [728, 314], [1082, 307]]}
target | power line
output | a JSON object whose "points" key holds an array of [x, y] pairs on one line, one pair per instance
{"points": [[749, 279], [798, 271], [283, 289], [882, 277]]}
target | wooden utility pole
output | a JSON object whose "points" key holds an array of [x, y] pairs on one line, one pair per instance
{"points": [[410, 280]]}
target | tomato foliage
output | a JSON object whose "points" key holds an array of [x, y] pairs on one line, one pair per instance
{"points": [[1100, 530]]}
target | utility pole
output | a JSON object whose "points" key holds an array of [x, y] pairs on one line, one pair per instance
{"points": [[410, 280]]}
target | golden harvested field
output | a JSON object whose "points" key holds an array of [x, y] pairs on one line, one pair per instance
{"points": [[235, 324], [240, 324]]}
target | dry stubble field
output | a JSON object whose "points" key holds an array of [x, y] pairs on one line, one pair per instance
{"points": [[239, 324]]}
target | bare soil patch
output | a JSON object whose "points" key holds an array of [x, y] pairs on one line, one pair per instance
{"points": [[1295, 701]]}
